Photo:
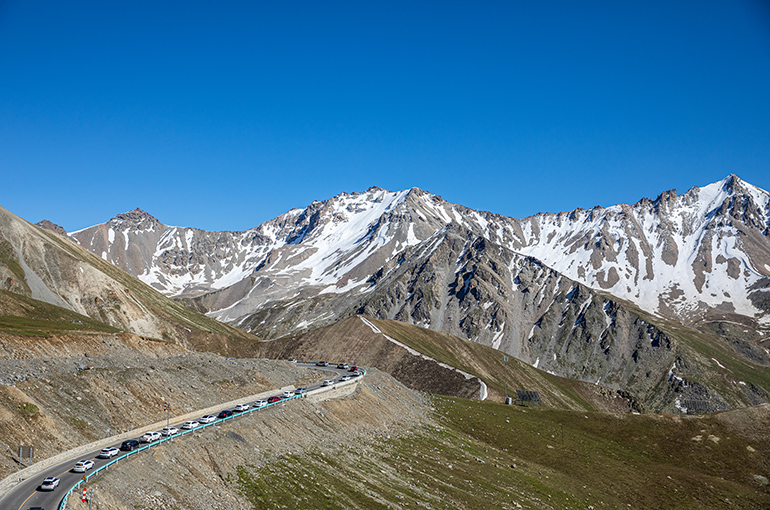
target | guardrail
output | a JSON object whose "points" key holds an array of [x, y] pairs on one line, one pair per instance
{"points": [[63, 503]]}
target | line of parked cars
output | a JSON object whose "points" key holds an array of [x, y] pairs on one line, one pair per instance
{"points": [[82, 466]]}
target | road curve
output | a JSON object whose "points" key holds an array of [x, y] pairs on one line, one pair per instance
{"points": [[27, 495]]}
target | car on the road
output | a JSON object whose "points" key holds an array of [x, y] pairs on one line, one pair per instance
{"points": [[108, 452], [293, 360], [342, 365], [149, 437], [189, 425], [273, 399], [169, 431], [300, 390], [225, 414], [287, 394], [129, 445], [327, 382], [356, 373], [260, 403], [322, 364], [49, 483], [208, 418], [242, 407], [352, 369], [36, 508], [82, 466], [345, 377]]}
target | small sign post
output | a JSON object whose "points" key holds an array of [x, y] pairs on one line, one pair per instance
{"points": [[26, 452]]}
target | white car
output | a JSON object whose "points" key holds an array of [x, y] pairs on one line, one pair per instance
{"points": [[108, 452], [345, 377], [327, 382], [49, 483], [287, 394], [260, 403], [169, 431], [82, 466], [242, 407], [208, 418], [150, 437], [190, 425]]}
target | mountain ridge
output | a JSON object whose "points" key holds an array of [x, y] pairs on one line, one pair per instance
{"points": [[631, 251]]}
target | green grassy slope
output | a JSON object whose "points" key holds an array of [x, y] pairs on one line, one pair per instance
{"points": [[24, 316], [488, 455]]}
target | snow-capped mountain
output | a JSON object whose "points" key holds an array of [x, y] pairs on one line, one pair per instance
{"points": [[551, 289], [689, 257]]}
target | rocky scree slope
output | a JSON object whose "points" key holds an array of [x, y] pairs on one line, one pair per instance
{"points": [[202, 471], [70, 389]]}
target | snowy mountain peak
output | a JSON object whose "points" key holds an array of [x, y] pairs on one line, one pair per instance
{"points": [[686, 256]]}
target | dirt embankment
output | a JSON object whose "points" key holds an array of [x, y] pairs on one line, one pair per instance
{"points": [[63, 391], [202, 471]]}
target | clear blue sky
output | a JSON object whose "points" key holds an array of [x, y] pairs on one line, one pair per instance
{"points": [[222, 115]]}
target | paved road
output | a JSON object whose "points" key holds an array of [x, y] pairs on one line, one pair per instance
{"points": [[27, 495]]}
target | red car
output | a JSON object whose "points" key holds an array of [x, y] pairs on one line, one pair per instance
{"points": [[273, 400], [352, 369]]}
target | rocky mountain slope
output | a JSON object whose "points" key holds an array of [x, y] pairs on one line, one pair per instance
{"points": [[692, 257], [43, 266]]}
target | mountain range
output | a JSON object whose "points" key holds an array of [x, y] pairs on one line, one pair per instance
{"points": [[606, 295]]}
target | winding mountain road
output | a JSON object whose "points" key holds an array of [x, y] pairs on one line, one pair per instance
{"points": [[27, 495]]}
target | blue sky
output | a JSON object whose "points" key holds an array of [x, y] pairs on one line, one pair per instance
{"points": [[222, 115]]}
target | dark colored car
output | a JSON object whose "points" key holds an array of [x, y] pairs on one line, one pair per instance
{"points": [[224, 414], [129, 445], [273, 399], [322, 364]]}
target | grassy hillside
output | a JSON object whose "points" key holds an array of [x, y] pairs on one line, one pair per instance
{"points": [[488, 455], [24, 316]]}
